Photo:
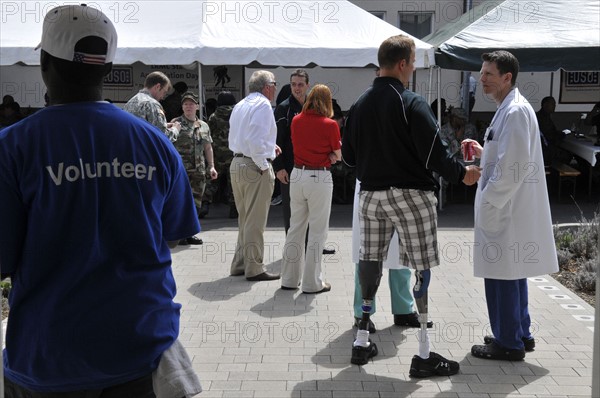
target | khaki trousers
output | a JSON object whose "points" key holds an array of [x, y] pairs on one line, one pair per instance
{"points": [[310, 202], [252, 193]]}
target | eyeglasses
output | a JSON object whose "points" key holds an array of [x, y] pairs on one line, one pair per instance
{"points": [[273, 83]]}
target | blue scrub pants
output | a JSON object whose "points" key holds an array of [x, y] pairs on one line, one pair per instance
{"points": [[400, 292], [507, 302]]}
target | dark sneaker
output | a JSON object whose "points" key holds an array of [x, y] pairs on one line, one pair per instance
{"points": [[193, 240], [276, 201], [529, 343], [371, 327], [361, 355], [410, 320], [497, 352], [435, 365]]}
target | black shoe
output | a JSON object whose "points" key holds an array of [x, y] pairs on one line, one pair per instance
{"points": [[435, 365], [410, 320], [193, 240], [328, 251], [529, 343], [326, 288], [361, 355], [495, 351], [203, 212], [183, 242], [265, 276], [370, 327], [233, 213], [289, 288]]}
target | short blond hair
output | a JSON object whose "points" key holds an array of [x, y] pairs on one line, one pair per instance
{"points": [[319, 100]]}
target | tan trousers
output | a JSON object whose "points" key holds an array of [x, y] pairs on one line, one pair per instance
{"points": [[252, 192]]}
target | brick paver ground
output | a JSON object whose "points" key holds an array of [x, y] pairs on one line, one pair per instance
{"points": [[252, 339]]}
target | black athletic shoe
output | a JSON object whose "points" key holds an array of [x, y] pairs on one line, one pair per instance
{"points": [[435, 365], [529, 343], [361, 355]]}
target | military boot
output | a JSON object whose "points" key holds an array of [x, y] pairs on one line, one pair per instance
{"points": [[203, 212]]}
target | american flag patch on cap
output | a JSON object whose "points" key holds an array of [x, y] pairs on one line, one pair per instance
{"points": [[94, 59]]}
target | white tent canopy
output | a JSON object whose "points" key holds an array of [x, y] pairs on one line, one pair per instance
{"points": [[332, 33]]}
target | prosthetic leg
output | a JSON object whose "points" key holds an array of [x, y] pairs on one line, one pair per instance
{"points": [[420, 293], [427, 363], [369, 274]]}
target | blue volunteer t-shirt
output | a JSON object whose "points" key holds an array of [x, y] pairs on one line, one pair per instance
{"points": [[89, 197]]}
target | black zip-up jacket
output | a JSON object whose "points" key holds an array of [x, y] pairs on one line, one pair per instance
{"points": [[284, 113], [392, 139]]}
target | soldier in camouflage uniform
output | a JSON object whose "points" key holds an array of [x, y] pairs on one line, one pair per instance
{"points": [[194, 146], [219, 128], [146, 106]]}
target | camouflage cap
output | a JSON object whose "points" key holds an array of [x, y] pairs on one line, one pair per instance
{"points": [[189, 95]]}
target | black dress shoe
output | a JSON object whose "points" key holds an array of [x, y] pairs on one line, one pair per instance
{"points": [[192, 240], [370, 327], [288, 288], [326, 288], [411, 320], [529, 343], [328, 251], [265, 276], [183, 242]]}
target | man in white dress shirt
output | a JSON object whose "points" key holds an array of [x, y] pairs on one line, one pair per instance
{"points": [[252, 136]]}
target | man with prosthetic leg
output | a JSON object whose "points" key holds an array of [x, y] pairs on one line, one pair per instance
{"points": [[392, 139]]}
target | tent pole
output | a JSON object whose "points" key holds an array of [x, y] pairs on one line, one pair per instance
{"points": [[430, 85], [201, 92], [439, 118]]}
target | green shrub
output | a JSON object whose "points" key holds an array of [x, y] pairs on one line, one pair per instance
{"points": [[564, 258], [585, 281], [5, 286], [563, 238]]}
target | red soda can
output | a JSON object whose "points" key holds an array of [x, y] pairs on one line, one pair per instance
{"points": [[468, 152]]}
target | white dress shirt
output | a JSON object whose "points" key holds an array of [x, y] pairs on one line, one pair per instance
{"points": [[252, 129]]}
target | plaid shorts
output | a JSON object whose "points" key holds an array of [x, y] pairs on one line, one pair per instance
{"points": [[412, 213]]}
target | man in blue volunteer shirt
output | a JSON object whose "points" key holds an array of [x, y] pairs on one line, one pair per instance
{"points": [[92, 199]]}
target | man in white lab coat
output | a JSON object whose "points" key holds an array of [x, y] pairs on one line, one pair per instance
{"points": [[513, 227]]}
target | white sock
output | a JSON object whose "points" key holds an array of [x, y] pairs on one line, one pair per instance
{"points": [[423, 344], [362, 338]]}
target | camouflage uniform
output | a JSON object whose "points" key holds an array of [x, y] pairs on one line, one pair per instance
{"points": [[143, 105], [219, 128], [190, 145]]}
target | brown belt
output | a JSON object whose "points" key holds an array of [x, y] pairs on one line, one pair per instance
{"points": [[304, 167], [241, 155]]}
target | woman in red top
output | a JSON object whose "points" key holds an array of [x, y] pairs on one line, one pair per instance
{"points": [[316, 143]]}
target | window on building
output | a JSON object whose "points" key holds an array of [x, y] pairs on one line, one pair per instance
{"points": [[379, 14], [418, 24]]}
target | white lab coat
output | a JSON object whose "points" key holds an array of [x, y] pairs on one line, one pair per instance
{"points": [[513, 226], [393, 256]]}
